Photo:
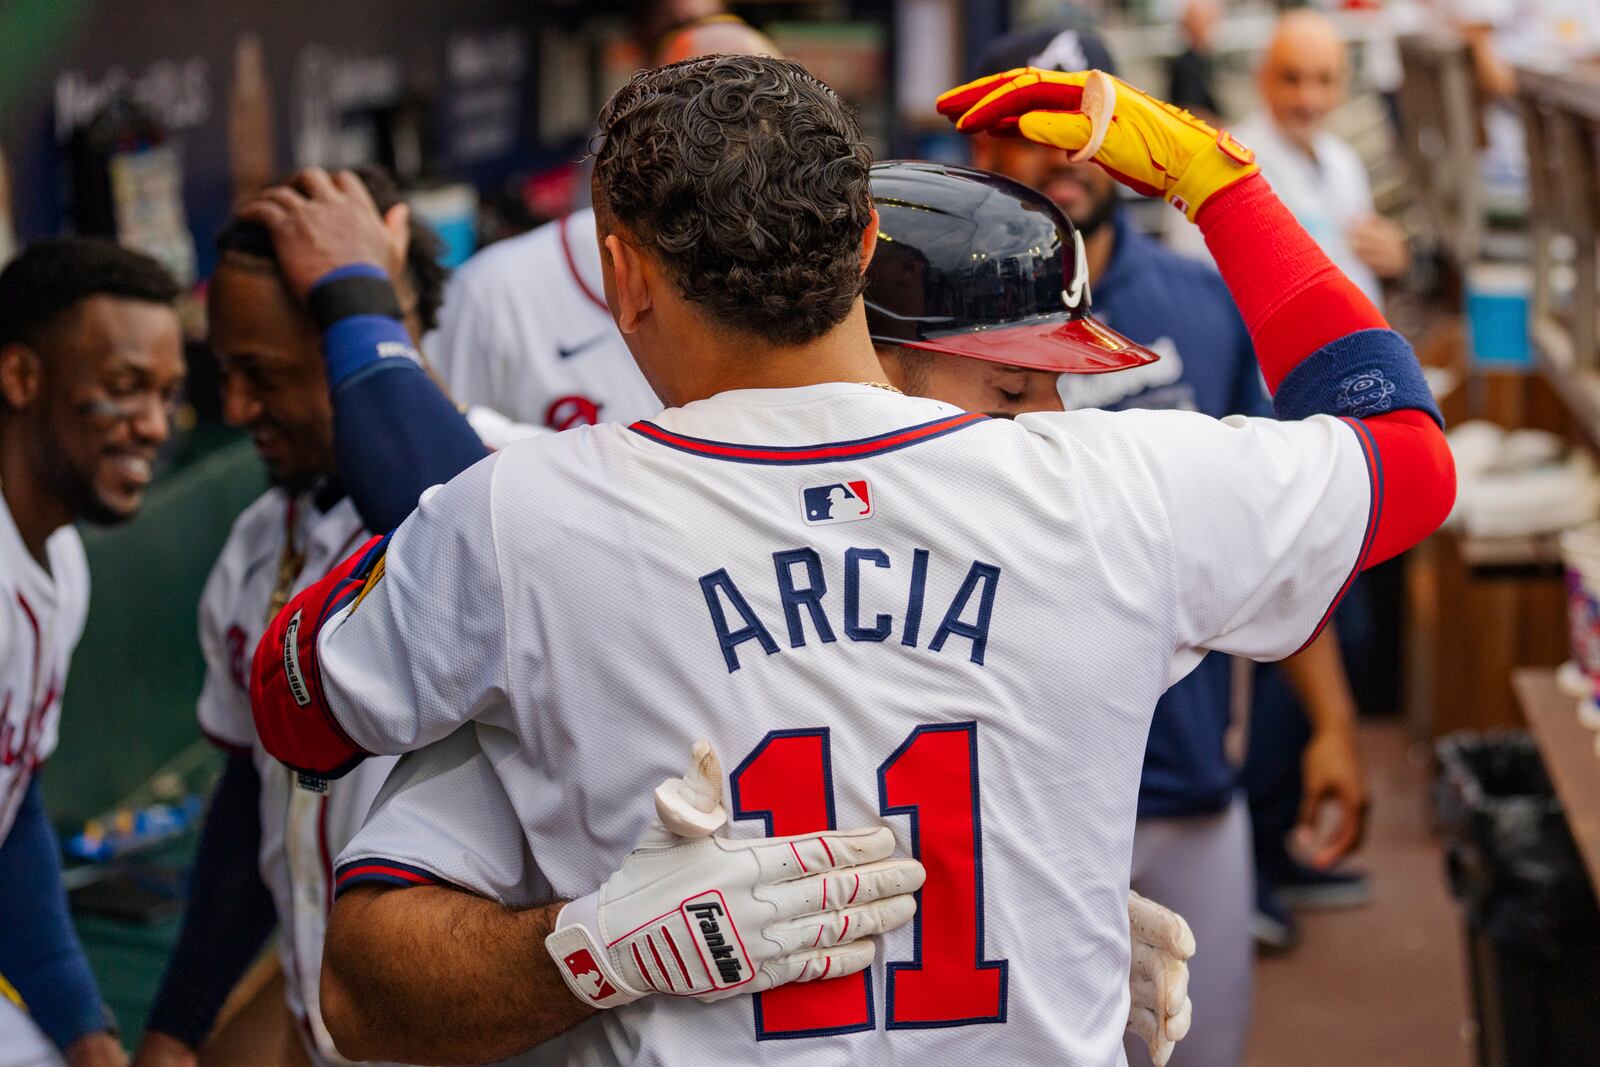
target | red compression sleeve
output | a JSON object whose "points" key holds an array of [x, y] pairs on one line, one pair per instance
{"points": [[1293, 299], [1418, 487]]}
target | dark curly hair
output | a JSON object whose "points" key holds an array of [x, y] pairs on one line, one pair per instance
{"points": [[424, 256], [42, 288], [748, 179]]}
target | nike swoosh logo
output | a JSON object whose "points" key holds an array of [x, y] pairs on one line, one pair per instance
{"points": [[1080, 277], [567, 353]]}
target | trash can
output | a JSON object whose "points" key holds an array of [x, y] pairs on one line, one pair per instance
{"points": [[1531, 916]]}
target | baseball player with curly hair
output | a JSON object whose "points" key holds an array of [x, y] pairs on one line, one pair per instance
{"points": [[873, 606]]}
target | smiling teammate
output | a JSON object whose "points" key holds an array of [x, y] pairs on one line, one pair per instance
{"points": [[975, 659], [91, 363]]}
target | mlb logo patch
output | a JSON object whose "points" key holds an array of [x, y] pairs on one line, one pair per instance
{"points": [[844, 501], [586, 972]]}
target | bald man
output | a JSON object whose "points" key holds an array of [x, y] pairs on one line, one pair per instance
{"points": [[1304, 75], [1191, 76], [524, 328]]}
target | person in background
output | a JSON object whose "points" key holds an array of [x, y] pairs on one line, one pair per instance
{"points": [[344, 457], [1304, 75], [1192, 75], [1504, 34], [658, 20], [525, 329], [91, 365], [1192, 845]]}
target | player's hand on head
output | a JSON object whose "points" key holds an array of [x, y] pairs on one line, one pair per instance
{"points": [[320, 222], [1159, 1010], [694, 914], [1148, 145]]}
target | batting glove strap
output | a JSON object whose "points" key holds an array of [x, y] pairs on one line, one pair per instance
{"points": [[583, 961]]}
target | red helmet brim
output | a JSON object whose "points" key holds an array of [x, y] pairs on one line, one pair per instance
{"points": [[1084, 346]]}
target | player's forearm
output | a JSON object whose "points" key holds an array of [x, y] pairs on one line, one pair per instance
{"points": [[229, 913], [1325, 349], [1317, 676], [1293, 299], [436, 975], [39, 950], [395, 433]]}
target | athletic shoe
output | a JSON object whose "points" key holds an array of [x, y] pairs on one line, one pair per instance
{"points": [[1308, 889], [1272, 925]]}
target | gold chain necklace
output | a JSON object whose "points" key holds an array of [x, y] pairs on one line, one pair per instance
{"points": [[291, 561], [882, 385]]}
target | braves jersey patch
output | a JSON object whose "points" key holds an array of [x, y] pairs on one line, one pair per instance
{"points": [[844, 501]]}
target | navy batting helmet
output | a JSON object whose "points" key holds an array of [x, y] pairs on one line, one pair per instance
{"points": [[975, 264]]}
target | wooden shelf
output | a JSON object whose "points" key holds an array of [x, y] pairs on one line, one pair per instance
{"points": [[1577, 386], [1538, 552], [1570, 755], [1576, 90]]}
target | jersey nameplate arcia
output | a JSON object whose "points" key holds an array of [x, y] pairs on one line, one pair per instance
{"points": [[803, 592]]}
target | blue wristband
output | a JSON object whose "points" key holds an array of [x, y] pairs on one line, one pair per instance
{"points": [[356, 342], [1365, 373], [356, 310]]}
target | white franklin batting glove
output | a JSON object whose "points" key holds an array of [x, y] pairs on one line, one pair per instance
{"points": [[1158, 979], [695, 915]]}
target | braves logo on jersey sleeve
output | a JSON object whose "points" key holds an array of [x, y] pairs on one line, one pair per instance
{"points": [[845, 501], [568, 411]]}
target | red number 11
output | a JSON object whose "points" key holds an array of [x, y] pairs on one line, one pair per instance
{"points": [[787, 782]]}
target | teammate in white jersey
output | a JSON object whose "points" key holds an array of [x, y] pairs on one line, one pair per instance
{"points": [[265, 853], [525, 329], [91, 362], [864, 600], [1161, 940]]}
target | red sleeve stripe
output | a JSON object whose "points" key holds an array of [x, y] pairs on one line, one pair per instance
{"points": [[822, 453], [1369, 452], [382, 871], [218, 741]]}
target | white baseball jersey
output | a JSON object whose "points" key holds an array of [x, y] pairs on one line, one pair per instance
{"points": [[301, 831], [40, 623], [524, 330], [873, 606]]}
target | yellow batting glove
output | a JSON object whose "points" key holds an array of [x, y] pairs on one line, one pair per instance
{"points": [[1148, 145]]}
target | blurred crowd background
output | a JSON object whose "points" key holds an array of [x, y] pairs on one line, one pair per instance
{"points": [[1446, 153]]}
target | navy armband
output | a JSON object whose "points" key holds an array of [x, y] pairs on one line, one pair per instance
{"points": [[358, 289], [360, 319], [1369, 372]]}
